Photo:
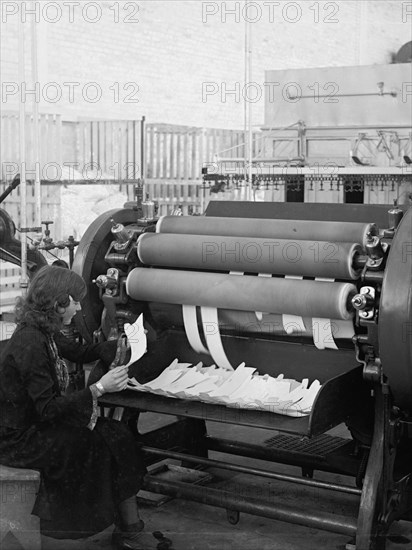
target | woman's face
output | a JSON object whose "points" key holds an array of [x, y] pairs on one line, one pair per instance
{"points": [[70, 312]]}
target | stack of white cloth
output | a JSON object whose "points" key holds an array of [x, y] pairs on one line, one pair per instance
{"points": [[242, 388]]}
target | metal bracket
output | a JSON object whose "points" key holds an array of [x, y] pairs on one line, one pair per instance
{"points": [[372, 371], [386, 138], [364, 302], [354, 152], [382, 142], [407, 151]]}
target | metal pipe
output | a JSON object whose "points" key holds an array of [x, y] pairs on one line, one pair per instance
{"points": [[254, 471], [394, 93], [142, 150], [22, 153], [260, 159], [36, 155], [350, 127], [15, 183], [250, 132], [245, 112], [247, 160], [224, 499]]}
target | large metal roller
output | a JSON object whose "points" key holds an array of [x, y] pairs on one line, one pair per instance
{"points": [[275, 295], [267, 228], [251, 255]]}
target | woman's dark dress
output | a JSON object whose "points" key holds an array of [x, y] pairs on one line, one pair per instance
{"points": [[85, 473]]}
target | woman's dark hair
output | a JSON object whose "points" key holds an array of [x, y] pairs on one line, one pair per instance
{"points": [[49, 289]]}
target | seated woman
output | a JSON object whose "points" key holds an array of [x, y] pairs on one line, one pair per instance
{"points": [[90, 466]]}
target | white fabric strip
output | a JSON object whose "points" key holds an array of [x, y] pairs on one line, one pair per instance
{"points": [[322, 333], [259, 314], [293, 324], [212, 334], [136, 337], [192, 329], [322, 328]]}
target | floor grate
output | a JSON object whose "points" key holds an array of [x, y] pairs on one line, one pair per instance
{"points": [[321, 445]]}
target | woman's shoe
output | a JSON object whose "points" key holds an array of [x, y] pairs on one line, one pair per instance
{"points": [[164, 543], [133, 537]]}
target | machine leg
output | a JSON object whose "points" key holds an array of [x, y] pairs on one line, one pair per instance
{"points": [[370, 535], [195, 441]]}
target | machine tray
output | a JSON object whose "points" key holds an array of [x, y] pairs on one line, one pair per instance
{"points": [[338, 398]]}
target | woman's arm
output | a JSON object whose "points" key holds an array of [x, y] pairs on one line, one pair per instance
{"points": [[40, 386], [85, 353]]}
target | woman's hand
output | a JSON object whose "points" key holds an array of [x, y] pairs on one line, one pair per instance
{"points": [[115, 379]]}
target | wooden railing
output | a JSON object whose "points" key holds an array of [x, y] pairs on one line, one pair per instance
{"points": [[50, 145], [179, 152], [175, 156], [112, 147]]}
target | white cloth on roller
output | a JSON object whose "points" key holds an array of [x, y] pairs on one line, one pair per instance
{"points": [[212, 334], [322, 333], [192, 329], [259, 314], [322, 328]]}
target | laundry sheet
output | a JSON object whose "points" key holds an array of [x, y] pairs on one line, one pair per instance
{"points": [[242, 388]]}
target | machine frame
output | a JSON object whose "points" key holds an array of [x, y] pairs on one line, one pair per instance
{"points": [[364, 390]]}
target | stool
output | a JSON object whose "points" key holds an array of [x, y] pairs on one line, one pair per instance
{"points": [[19, 530]]}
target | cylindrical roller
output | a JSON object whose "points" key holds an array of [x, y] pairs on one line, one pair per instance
{"points": [[275, 295], [167, 315], [251, 255], [267, 228]]}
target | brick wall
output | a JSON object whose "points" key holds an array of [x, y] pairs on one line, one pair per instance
{"points": [[176, 46]]}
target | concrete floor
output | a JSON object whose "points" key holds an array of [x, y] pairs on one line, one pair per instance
{"points": [[194, 526]]}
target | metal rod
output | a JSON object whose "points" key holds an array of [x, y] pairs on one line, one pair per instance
{"points": [[249, 103], [359, 261], [36, 155], [22, 153], [317, 96], [224, 499], [350, 127], [142, 149], [254, 471], [15, 183], [247, 112], [257, 160]]}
